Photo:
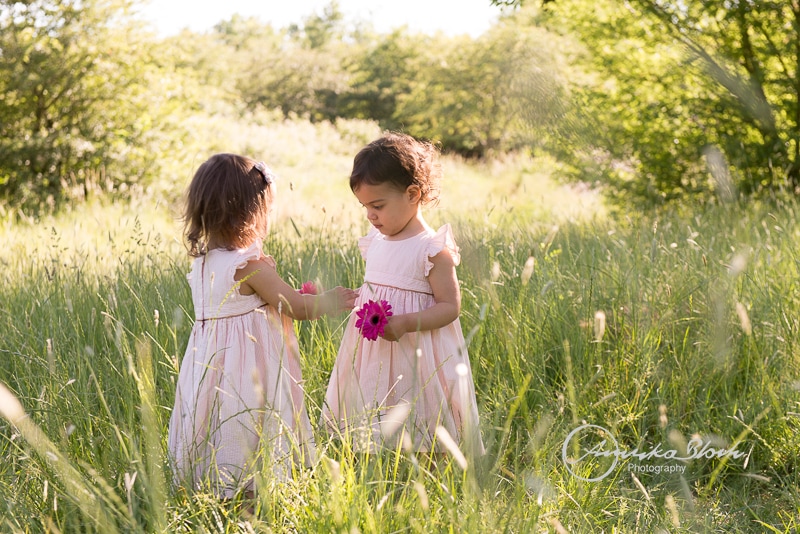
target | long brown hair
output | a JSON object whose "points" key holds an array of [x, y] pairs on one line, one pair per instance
{"points": [[401, 160], [228, 202]]}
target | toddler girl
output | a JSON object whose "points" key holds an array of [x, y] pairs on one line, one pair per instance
{"points": [[239, 390], [420, 363]]}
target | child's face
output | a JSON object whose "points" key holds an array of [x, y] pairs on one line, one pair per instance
{"points": [[389, 209]]}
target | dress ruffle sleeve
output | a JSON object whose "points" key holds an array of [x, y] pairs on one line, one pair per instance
{"points": [[441, 240], [366, 241], [251, 253]]}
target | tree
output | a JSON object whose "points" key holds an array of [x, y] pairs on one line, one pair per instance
{"points": [[76, 106], [666, 84], [379, 73], [320, 30], [751, 50], [489, 95], [299, 73]]}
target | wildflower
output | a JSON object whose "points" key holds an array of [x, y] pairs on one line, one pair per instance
{"points": [[308, 288], [372, 317]]}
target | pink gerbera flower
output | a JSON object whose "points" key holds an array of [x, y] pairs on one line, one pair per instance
{"points": [[372, 317], [308, 288]]}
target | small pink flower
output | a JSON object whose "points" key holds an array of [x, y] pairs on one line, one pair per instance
{"points": [[372, 317], [308, 288]]}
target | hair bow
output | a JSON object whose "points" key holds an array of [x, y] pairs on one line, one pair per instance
{"points": [[269, 176]]}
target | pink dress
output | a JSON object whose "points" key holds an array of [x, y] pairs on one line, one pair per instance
{"points": [[239, 399], [420, 382]]}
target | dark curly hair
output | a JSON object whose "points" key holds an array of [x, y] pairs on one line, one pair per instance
{"points": [[401, 160], [227, 202]]}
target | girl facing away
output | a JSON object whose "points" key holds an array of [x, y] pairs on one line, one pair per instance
{"points": [[239, 402], [418, 372]]}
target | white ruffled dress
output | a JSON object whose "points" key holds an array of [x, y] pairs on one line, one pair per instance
{"points": [[239, 399], [418, 383]]}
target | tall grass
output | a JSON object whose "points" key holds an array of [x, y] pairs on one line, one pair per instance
{"points": [[698, 335]]}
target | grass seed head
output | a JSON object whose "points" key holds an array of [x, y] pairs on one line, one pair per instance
{"points": [[495, 274], [10, 407], [744, 319], [527, 271], [450, 444], [599, 325]]}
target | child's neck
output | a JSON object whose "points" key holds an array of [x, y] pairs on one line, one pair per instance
{"points": [[214, 244], [415, 226]]}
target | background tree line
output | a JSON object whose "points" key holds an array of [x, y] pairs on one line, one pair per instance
{"points": [[684, 98], [655, 100]]}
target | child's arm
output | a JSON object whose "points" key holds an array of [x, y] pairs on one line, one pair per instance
{"points": [[446, 293], [260, 277]]}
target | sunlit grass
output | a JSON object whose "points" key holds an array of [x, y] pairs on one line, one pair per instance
{"points": [[700, 336]]}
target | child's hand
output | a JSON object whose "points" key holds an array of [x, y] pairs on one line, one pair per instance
{"points": [[343, 298], [395, 328]]}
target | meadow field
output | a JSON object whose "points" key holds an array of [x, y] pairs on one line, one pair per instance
{"points": [[635, 372]]}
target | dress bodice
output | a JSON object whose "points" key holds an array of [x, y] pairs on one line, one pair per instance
{"points": [[215, 292], [405, 264]]}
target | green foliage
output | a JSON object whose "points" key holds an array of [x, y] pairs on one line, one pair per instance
{"points": [[654, 100], [298, 71], [82, 101], [91, 101], [678, 99], [380, 74], [477, 97], [486, 96]]}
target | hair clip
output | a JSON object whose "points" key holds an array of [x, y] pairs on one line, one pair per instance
{"points": [[269, 176]]}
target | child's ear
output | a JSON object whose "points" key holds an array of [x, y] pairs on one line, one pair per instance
{"points": [[414, 193]]}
